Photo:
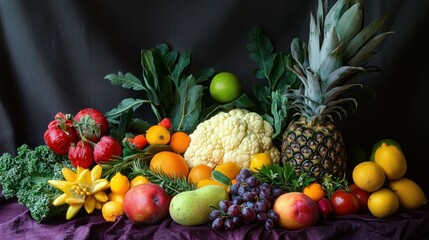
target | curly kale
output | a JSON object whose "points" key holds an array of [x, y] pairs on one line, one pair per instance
{"points": [[26, 178]]}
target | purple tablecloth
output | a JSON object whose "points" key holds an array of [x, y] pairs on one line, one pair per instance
{"points": [[16, 223]]}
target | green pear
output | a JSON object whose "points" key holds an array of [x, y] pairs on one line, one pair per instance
{"points": [[191, 208]]}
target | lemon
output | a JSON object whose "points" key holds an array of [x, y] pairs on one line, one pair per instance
{"points": [[119, 183], [258, 160], [225, 87], [383, 203], [410, 195], [389, 141], [368, 176], [391, 160]]}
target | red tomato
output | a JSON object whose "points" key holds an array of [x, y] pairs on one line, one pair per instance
{"points": [[344, 203], [362, 196]]}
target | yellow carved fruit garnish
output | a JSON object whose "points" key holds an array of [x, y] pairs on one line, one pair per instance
{"points": [[81, 188]]}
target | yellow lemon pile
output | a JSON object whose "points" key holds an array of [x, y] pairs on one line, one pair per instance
{"points": [[384, 178]]}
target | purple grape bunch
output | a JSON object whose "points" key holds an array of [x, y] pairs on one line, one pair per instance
{"points": [[250, 201]]}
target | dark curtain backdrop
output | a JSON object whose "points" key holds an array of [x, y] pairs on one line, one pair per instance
{"points": [[55, 54]]}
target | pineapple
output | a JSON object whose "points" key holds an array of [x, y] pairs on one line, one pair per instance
{"points": [[338, 49]]}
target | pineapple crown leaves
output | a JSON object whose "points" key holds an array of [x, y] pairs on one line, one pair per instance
{"points": [[337, 51]]}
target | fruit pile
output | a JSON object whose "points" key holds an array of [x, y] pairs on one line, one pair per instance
{"points": [[384, 179]]}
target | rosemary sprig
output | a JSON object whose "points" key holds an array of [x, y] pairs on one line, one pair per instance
{"points": [[172, 186]]}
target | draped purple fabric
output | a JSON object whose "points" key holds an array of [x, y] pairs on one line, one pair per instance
{"points": [[16, 223]]}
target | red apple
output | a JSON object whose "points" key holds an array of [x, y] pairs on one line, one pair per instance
{"points": [[296, 211], [146, 203]]}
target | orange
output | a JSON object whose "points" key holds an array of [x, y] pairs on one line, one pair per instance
{"points": [[157, 134], [119, 183], [111, 210], [170, 163], [179, 142], [138, 180], [198, 173], [229, 169], [225, 87], [314, 191], [208, 182]]}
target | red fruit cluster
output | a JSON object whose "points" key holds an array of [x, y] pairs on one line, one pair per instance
{"points": [[139, 141], [83, 138]]}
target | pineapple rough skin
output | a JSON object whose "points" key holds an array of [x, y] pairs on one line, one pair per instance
{"points": [[232, 136]]}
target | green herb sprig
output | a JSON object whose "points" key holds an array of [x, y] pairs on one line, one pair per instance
{"points": [[283, 176]]}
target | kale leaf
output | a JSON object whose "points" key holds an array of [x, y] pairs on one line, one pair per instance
{"points": [[26, 176]]}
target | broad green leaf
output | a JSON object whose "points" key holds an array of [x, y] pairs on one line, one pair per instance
{"points": [[262, 94], [165, 92], [261, 51], [182, 64], [125, 105], [170, 59], [162, 48], [128, 81], [279, 68], [150, 77], [138, 125], [205, 75], [220, 177], [185, 113]]}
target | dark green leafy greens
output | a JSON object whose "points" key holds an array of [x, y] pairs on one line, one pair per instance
{"points": [[26, 178], [272, 67], [164, 76]]}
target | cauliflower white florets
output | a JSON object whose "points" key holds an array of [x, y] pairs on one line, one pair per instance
{"points": [[232, 136]]}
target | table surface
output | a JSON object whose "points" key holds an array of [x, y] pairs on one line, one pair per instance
{"points": [[16, 223]]}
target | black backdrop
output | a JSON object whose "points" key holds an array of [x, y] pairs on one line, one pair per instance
{"points": [[55, 54]]}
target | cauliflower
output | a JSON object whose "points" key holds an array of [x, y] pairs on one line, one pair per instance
{"points": [[232, 136]]}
